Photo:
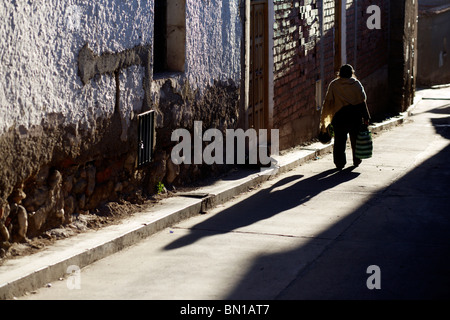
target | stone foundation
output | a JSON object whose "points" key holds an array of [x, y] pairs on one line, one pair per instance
{"points": [[53, 172]]}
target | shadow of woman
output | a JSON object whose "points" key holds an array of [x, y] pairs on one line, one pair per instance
{"points": [[265, 204]]}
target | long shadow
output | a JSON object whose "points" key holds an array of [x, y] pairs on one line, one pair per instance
{"points": [[265, 204], [404, 230]]}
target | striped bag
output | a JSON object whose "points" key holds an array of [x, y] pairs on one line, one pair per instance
{"points": [[364, 145]]}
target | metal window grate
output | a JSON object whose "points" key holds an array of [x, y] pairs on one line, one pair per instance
{"points": [[146, 137]]}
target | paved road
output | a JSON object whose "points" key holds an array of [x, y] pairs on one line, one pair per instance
{"points": [[311, 233]]}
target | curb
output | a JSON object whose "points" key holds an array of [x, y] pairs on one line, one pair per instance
{"points": [[19, 276]]}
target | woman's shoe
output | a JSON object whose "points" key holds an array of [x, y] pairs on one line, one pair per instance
{"points": [[357, 162]]}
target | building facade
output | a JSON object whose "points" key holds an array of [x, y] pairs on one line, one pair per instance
{"points": [[75, 78], [91, 92]]}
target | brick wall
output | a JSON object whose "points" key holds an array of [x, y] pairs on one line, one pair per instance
{"points": [[304, 55], [368, 52], [296, 69], [372, 45]]}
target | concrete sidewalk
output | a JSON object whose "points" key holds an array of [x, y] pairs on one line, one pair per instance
{"points": [[18, 276]]}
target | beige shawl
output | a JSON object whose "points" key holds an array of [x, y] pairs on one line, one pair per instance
{"points": [[341, 92]]}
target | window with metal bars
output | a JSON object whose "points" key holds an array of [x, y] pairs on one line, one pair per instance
{"points": [[146, 137]]}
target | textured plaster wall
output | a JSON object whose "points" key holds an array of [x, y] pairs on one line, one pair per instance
{"points": [[40, 41], [208, 90], [213, 42], [75, 142]]}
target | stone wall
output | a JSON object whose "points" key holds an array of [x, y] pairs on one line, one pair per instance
{"points": [[369, 53], [76, 75]]}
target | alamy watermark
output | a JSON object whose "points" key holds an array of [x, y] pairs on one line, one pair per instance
{"points": [[235, 140], [374, 280], [374, 21]]}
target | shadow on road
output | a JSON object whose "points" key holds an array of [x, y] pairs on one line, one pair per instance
{"points": [[404, 230], [266, 203]]}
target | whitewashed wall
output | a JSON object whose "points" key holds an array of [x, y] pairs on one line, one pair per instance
{"points": [[40, 41], [213, 41], [49, 118]]}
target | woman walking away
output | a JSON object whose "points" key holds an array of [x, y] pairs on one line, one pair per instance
{"points": [[346, 110]]}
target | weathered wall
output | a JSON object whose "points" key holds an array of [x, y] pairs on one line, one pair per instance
{"points": [[368, 52], [53, 126], [402, 54], [41, 43], [67, 142], [209, 89], [213, 41], [433, 43]]}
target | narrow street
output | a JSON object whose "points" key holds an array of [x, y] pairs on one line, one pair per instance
{"points": [[311, 233]]}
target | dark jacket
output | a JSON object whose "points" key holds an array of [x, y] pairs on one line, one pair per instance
{"points": [[351, 115]]}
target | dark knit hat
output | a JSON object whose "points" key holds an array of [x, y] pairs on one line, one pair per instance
{"points": [[346, 71]]}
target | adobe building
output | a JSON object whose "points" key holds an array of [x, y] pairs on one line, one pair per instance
{"points": [[91, 92]]}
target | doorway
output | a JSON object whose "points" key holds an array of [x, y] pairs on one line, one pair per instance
{"points": [[258, 77]]}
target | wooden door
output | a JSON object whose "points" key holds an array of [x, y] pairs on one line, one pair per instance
{"points": [[257, 108]]}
